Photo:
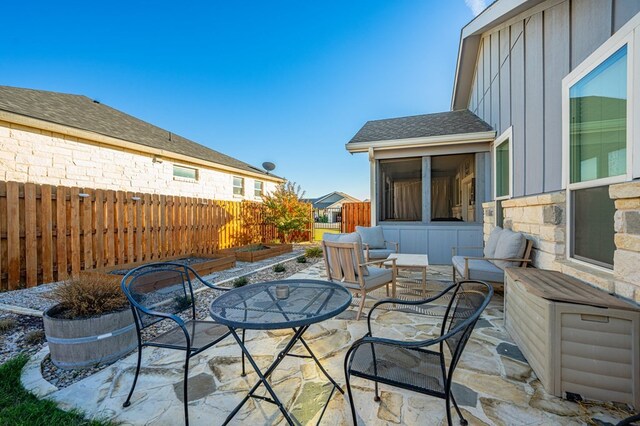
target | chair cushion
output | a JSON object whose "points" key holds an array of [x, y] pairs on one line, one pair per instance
{"points": [[372, 236], [492, 242], [376, 278], [482, 270], [511, 245], [348, 238], [380, 253]]}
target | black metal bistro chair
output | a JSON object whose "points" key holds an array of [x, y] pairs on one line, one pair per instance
{"points": [[164, 291], [415, 365]]}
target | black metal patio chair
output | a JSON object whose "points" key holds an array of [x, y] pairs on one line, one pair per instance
{"points": [[414, 364], [161, 292]]}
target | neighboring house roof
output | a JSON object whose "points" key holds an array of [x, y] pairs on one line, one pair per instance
{"points": [[496, 13], [82, 113], [331, 199], [420, 126]]}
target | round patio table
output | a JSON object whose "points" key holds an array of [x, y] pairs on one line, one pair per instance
{"points": [[263, 306]]}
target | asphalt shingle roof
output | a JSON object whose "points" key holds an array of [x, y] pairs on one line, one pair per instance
{"points": [[83, 113], [420, 126]]}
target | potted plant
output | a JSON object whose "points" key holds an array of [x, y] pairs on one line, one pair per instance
{"points": [[91, 323]]}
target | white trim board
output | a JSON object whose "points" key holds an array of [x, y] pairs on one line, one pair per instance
{"points": [[462, 138]]}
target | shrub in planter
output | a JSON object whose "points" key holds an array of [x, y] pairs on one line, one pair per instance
{"points": [[301, 259], [90, 325], [313, 252], [279, 268]]}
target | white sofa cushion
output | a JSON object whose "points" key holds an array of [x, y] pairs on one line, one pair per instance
{"points": [[372, 236], [492, 242], [510, 246]]}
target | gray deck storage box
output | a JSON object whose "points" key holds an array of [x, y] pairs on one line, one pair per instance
{"points": [[577, 338]]}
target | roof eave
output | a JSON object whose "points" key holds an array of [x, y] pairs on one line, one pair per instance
{"points": [[455, 139], [121, 143]]}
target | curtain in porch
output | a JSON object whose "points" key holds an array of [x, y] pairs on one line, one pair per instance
{"points": [[441, 197], [407, 200]]}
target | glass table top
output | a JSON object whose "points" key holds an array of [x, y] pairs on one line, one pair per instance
{"points": [[263, 306]]}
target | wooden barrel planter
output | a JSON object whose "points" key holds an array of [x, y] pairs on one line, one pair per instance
{"points": [[88, 342]]}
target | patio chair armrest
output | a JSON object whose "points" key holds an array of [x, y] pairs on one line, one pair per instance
{"points": [[395, 244], [377, 262], [454, 249], [163, 315], [405, 302]]}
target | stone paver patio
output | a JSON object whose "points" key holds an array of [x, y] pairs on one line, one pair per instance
{"points": [[494, 384]]}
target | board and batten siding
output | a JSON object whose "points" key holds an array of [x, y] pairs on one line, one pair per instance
{"points": [[518, 80]]}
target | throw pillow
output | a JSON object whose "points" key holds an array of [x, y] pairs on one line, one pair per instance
{"points": [[492, 242], [372, 236], [510, 246]]}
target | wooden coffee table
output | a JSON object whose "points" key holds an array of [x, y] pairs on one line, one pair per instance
{"points": [[419, 262]]}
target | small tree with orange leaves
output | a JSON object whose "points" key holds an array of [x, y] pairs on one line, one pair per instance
{"points": [[284, 209]]}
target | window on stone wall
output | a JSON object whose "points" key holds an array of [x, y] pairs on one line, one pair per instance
{"points": [[183, 172], [400, 190], [597, 155], [593, 226], [238, 185]]}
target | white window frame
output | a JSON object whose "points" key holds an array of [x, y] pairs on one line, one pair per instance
{"points": [[261, 188], [233, 186], [507, 135], [182, 178], [629, 34]]}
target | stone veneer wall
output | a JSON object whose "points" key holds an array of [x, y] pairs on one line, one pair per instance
{"points": [[543, 219], [28, 154]]}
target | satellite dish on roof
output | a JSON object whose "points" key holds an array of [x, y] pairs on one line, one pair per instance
{"points": [[268, 166]]}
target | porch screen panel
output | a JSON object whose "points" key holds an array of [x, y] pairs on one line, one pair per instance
{"points": [[400, 190]]}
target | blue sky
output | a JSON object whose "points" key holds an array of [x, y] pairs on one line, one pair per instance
{"points": [[283, 81]]}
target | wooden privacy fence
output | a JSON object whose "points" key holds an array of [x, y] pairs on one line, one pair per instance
{"points": [[355, 214], [48, 233]]}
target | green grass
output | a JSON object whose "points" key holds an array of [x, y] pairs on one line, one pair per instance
{"points": [[20, 408]]}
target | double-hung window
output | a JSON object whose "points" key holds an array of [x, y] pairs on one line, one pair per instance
{"points": [[598, 147], [238, 186], [257, 188]]}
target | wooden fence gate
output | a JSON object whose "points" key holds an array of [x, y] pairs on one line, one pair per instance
{"points": [[355, 214]]}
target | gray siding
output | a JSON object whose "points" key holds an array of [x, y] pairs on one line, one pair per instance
{"points": [[435, 240], [533, 96], [556, 66], [519, 75]]}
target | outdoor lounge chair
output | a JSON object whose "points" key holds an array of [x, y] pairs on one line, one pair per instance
{"points": [[374, 244], [163, 291], [504, 248], [344, 262], [420, 365]]}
